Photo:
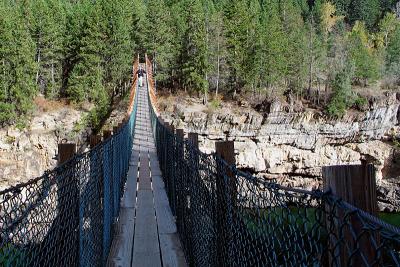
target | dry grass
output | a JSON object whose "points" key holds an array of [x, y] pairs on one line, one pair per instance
{"points": [[45, 105]]}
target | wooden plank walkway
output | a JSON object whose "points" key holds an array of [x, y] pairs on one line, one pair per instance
{"points": [[146, 233]]}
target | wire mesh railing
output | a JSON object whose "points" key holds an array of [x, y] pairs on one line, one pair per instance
{"points": [[226, 217], [66, 216]]}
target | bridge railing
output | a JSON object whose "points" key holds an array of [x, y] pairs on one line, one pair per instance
{"points": [[226, 217], [66, 216]]}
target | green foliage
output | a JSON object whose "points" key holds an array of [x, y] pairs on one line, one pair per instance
{"points": [[158, 39], [11, 255], [17, 66], [342, 95], [195, 60], [83, 50], [48, 29], [360, 103], [393, 50], [367, 11], [362, 54]]}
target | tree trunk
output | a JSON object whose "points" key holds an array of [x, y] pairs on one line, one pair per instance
{"points": [[218, 69], [5, 85], [38, 62], [311, 47], [326, 92]]}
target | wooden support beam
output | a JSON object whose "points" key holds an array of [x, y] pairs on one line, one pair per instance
{"points": [[226, 191], [226, 151], [65, 152], [194, 139], [115, 130], [107, 134], [356, 185], [94, 140], [67, 204], [180, 134]]}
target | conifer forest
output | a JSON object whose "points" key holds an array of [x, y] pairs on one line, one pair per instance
{"points": [[82, 50]]}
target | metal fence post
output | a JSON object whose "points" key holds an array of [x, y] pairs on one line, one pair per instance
{"points": [[226, 195], [356, 185]]}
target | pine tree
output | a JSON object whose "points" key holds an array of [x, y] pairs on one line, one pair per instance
{"points": [[362, 54], [272, 36], [118, 54], [295, 46], [195, 64], [18, 68], [342, 94], [393, 49], [85, 81], [251, 74], [367, 11], [138, 20], [158, 39], [217, 52], [48, 33], [178, 23], [236, 20]]}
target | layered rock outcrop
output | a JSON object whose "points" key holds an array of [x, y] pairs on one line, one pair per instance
{"points": [[293, 147], [26, 154]]}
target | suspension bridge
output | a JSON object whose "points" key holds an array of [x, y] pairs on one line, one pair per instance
{"points": [[147, 196]]}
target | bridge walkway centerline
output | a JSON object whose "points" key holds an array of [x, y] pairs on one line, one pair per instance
{"points": [[146, 233]]}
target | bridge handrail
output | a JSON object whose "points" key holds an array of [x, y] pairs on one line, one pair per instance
{"points": [[66, 217], [257, 222]]}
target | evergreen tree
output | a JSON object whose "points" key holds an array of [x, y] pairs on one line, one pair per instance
{"points": [[362, 54], [117, 58], [217, 52], [393, 55], [195, 64], [272, 61], [367, 11], [235, 24], [342, 6], [48, 33], [18, 68], [179, 26], [158, 39], [295, 46], [342, 94], [138, 30]]}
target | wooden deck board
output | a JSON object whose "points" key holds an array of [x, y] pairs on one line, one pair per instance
{"points": [[121, 251], [171, 251], [146, 234], [129, 198]]}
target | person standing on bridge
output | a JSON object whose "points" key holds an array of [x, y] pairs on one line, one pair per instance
{"points": [[141, 73]]}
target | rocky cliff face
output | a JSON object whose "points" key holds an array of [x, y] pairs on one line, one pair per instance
{"points": [[28, 153], [293, 147]]}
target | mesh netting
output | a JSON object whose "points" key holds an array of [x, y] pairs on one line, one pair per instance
{"points": [[229, 218], [66, 217]]}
